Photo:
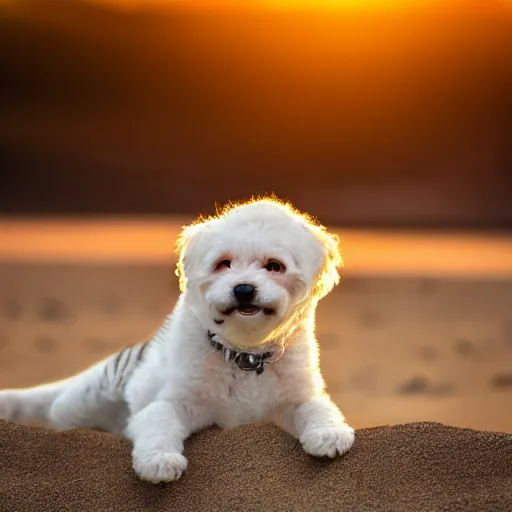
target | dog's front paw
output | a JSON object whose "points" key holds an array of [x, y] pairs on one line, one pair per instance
{"points": [[328, 441], [159, 467]]}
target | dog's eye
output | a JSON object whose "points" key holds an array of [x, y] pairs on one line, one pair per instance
{"points": [[274, 266], [223, 264]]}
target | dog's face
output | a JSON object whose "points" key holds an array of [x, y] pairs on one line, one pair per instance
{"points": [[247, 272]]}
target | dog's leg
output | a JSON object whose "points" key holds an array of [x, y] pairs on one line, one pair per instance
{"points": [[158, 433], [320, 427], [90, 400]]}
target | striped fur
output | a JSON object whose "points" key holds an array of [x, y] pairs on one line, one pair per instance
{"points": [[120, 366]]}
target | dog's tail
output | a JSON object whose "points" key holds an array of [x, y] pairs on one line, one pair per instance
{"points": [[76, 401], [30, 403]]}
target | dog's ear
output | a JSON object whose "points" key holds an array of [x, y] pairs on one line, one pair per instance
{"points": [[187, 239], [328, 276]]}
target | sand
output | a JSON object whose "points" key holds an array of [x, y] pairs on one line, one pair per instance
{"points": [[416, 467]]}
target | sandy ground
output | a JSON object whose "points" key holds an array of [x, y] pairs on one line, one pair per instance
{"points": [[420, 328]]}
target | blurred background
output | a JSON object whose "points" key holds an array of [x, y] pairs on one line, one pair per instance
{"points": [[389, 120]]}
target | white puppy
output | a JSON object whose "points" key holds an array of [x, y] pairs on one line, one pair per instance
{"points": [[239, 347]]}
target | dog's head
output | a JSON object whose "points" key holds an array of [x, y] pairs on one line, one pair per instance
{"points": [[249, 271]]}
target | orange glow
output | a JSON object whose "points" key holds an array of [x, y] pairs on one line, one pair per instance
{"points": [[351, 4], [316, 5], [366, 252]]}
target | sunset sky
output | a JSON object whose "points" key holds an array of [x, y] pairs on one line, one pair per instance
{"points": [[315, 4], [401, 107]]}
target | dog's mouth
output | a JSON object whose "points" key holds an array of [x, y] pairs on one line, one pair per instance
{"points": [[249, 310]]}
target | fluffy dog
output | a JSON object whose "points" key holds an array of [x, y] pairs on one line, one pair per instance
{"points": [[239, 347]]}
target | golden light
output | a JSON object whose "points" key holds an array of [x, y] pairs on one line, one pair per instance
{"points": [[346, 4], [314, 5]]}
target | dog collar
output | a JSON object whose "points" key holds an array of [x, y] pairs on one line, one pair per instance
{"points": [[244, 360]]}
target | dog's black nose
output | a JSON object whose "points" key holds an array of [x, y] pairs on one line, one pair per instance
{"points": [[244, 293]]}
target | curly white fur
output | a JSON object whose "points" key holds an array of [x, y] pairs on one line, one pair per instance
{"points": [[159, 393]]}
